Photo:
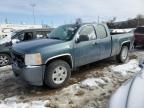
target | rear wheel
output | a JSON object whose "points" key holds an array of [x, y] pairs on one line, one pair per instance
{"points": [[4, 60], [57, 74], [123, 55], [135, 45]]}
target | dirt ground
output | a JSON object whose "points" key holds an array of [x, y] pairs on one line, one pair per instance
{"points": [[92, 97]]}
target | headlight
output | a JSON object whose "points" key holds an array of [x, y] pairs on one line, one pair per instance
{"points": [[33, 59]]}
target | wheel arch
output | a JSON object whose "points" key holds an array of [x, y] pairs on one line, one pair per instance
{"points": [[66, 57], [6, 53], [126, 43]]}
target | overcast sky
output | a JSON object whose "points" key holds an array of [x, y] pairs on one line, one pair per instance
{"points": [[57, 12]]}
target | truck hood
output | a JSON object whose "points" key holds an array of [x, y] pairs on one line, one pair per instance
{"points": [[30, 46], [130, 94]]}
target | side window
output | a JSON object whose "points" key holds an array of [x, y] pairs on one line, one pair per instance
{"points": [[25, 36], [100, 31], [88, 31], [41, 34]]}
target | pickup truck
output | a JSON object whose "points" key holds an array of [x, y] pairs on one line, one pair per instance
{"points": [[51, 61]]}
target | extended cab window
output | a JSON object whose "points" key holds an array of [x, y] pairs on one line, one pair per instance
{"points": [[88, 31], [100, 31]]}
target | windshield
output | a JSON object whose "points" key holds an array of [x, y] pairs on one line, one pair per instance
{"points": [[65, 32]]}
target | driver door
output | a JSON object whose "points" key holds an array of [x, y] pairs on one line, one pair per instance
{"points": [[86, 51]]}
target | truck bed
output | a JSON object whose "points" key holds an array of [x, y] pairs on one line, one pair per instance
{"points": [[119, 39]]}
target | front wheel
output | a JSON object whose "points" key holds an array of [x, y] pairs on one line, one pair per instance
{"points": [[123, 55], [57, 74], [4, 60]]}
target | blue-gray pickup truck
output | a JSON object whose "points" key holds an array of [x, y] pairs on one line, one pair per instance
{"points": [[50, 61]]}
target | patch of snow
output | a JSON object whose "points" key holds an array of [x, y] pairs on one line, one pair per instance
{"points": [[11, 99], [124, 69], [71, 89], [4, 68], [93, 82], [12, 102], [122, 30]]}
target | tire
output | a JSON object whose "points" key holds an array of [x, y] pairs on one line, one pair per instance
{"points": [[57, 74], [4, 60], [135, 45], [122, 57]]}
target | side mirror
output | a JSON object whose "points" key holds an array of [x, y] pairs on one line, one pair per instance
{"points": [[14, 41], [82, 38]]}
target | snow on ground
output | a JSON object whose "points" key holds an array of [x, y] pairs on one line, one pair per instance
{"points": [[124, 69], [92, 82], [12, 102], [5, 68], [93, 92]]}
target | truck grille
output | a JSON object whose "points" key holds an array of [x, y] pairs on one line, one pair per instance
{"points": [[18, 59]]}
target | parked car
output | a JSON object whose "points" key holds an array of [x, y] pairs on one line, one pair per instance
{"points": [[131, 93], [139, 36], [16, 37], [50, 61]]}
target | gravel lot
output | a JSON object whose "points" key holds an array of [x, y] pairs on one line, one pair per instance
{"points": [[89, 87]]}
